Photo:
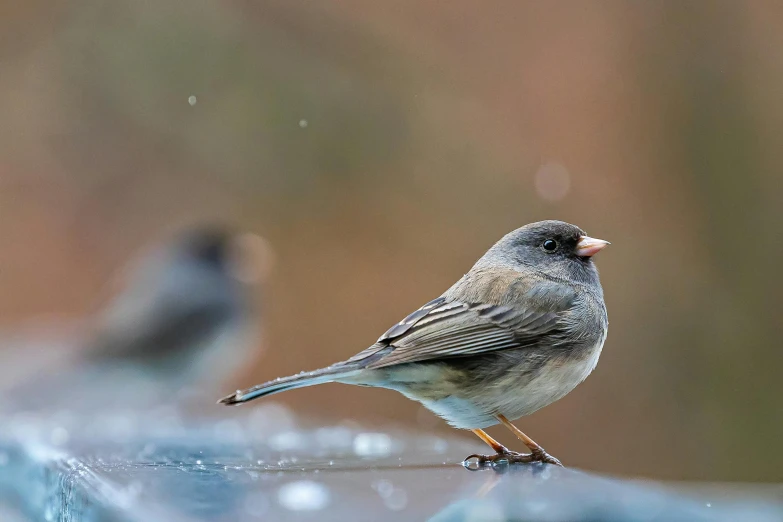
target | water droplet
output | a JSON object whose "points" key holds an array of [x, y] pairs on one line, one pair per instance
{"points": [[472, 463], [709, 504], [303, 123], [192, 100], [500, 463]]}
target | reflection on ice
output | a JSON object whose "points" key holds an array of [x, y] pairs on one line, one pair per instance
{"points": [[303, 495], [338, 438], [229, 431], [287, 441], [372, 445], [397, 500], [394, 498], [383, 487]]}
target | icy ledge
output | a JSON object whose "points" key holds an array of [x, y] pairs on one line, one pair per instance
{"points": [[266, 467]]}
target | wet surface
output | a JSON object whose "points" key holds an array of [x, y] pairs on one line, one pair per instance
{"points": [[263, 465]]}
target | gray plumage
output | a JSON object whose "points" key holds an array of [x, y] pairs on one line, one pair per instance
{"points": [[177, 302], [182, 322], [519, 331]]}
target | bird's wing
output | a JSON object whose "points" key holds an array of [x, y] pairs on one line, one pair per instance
{"points": [[164, 315], [446, 328], [180, 331]]}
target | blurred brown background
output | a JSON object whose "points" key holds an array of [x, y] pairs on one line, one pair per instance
{"points": [[381, 147]]}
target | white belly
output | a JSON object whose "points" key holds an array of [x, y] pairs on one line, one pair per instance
{"points": [[552, 383], [515, 398]]}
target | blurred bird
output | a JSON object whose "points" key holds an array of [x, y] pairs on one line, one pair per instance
{"points": [[519, 331], [183, 322]]}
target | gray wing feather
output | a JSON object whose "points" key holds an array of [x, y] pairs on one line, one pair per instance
{"points": [[444, 328]]}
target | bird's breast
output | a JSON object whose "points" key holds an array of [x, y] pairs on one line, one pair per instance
{"points": [[554, 379]]}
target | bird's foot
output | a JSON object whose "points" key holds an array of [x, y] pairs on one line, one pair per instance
{"points": [[539, 455], [509, 457]]}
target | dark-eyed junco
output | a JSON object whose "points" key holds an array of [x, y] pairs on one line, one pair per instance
{"points": [[182, 320], [519, 331]]}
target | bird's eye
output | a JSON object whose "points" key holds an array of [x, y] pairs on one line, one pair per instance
{"points": [[550, 245]]}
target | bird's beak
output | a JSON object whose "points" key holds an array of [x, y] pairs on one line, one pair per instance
{"points": [[589, 246]]}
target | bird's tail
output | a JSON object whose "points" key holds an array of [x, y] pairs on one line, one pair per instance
{"points": [[301, 380]]}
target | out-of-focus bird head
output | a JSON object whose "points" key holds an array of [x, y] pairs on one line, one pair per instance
{"points": [[245, 256]]}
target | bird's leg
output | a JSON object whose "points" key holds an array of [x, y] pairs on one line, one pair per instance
{"points": [[502, 453], [537, 453], [492, 443]]}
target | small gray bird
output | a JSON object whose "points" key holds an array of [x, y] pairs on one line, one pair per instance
{"points": [[181, 323], [181, 301], [516, 333]]}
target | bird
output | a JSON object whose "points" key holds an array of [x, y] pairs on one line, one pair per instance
{"points": [[520, 330], [183, 321]]}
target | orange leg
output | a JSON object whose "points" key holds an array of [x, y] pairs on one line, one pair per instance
{"points": [[492, 443], [537, 453], [502, 454]]}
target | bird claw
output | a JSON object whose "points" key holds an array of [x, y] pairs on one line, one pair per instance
{"points": [[505, 458], [509, 457], [546, 458]]}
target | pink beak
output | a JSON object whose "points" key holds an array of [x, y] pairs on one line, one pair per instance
{"points": [[589, 246]]}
